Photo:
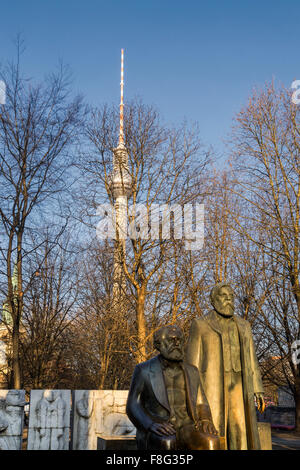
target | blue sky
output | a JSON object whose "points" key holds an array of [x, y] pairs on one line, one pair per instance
{"points": [[193, 59]]}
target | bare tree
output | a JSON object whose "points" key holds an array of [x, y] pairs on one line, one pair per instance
{"points": [[167, 166], [266, 144], [100, 333], [38, 124], [48, 311]]}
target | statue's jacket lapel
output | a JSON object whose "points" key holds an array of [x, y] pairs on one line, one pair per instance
{"points": [[160, 391], [192, 384], [158, 383]]}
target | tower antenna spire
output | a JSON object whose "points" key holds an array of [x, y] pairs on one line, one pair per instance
{"points": [[120, 183], [121, 133]]}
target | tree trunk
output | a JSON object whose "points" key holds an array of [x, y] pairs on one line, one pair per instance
{"points": [[17, 317], [16, 357], [141, 354]]}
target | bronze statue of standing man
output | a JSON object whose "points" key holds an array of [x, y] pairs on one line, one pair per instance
{"points": [[220, 344]]}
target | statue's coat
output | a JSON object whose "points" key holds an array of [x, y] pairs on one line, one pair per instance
{"points": [[205, 351]]}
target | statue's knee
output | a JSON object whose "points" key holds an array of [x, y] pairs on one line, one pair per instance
{"points": [[211, 443], [156, 442], [195, 440]]}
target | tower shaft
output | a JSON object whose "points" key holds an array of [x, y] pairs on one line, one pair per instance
{"points": [[120, 185]]}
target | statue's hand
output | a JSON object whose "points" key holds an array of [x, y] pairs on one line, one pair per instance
{"points": [[207, 427], [260, 402], [162, 429]]}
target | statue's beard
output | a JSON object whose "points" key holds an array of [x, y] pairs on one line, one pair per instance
{"points": [[225, 310], [175, 354]]}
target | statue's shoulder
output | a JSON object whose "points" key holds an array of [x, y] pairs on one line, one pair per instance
{"points": [[148, 364], [242, 322], [204, 320], [244, 326]]}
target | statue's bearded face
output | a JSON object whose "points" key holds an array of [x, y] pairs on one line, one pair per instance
{"points": [[223, 301], [171, 345]]}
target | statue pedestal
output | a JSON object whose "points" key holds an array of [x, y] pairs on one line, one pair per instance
{"points": [[116, 442], [222, 443], [264, 431]]}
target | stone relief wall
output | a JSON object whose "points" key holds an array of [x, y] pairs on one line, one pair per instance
{"points": [[11, 419], [49, 420], [95, 413], [99, 412]]}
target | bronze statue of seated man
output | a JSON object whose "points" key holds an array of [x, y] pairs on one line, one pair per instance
{"points": [[166, 401]]}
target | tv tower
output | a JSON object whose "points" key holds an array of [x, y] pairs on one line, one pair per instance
{"points": [[120, 186]]}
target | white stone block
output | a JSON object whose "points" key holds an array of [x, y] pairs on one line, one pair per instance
{"points": [[49, 420], [11, 419], [84, 411], [99, 412]]}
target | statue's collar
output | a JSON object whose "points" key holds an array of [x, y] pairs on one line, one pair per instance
{"points": [[166, 364], [217, 321], [214, 320]]}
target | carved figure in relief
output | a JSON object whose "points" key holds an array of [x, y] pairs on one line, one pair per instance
{"points": [[50, 412]]}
